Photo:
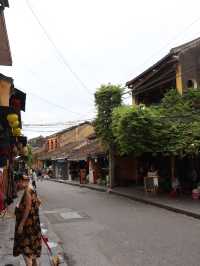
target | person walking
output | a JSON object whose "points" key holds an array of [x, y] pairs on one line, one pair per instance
{"points": [[39, 174], [34, 179], [28, 238]]}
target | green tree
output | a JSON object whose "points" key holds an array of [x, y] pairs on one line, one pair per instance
{"points": [[137, 129], [172, 128], [30, 156], [107, 97]]}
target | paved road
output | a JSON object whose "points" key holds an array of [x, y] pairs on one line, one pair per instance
{"points": [[98, 229]]}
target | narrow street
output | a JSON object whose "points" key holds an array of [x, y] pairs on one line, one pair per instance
{"points": [[98, 229]]}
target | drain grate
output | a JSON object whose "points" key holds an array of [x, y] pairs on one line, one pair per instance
{"points": [[66, 216], [71, 215]]}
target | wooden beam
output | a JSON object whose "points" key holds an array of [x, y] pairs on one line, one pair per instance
{"points": [[155, 86], [155, 81], [151, 74]]}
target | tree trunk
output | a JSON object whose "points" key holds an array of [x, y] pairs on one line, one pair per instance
{"points": [[172, 168], [111, 168]]}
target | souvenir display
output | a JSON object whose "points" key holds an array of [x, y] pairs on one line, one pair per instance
{"points": [[13, 149]]}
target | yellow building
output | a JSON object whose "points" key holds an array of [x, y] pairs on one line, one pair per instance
{"points": [[179, 69]]}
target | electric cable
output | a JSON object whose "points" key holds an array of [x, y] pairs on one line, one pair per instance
{"points": [[59, 53], [168, 43]]}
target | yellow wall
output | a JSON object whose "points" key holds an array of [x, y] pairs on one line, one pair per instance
{"points": [[76, 134], [179, 82]]}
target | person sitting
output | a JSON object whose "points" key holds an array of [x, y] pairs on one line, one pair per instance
{"points": [[176, 188]]}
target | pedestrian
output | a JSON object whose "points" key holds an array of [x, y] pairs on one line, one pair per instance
{"points": [[39, 174], [27, 238], [34, 178]]}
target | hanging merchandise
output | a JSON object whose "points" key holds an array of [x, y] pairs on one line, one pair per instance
{"points": [[17, 132], [18, 100], [13, 148], [12, 118], [20, 148], [1, 180], [4, 148], [22, 140], [25, 151]]}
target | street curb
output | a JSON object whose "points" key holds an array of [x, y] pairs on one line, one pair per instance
{"points": [[142, 200], [159, 205], [94, 188], [101, 189]]}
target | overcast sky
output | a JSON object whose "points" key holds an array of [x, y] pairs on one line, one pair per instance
{"points": [[102, 40]]}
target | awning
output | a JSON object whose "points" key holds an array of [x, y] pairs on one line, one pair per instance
{"points": [[5, 53], [92, 149]]}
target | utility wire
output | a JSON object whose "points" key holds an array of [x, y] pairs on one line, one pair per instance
{"points": [[50, 102], [54, 104], [37, 77], [39, 131], [169, 42], [56, 123], [59, 53]]}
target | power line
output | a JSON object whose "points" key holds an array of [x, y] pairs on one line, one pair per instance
{"points": [[56, 105], [59, 53], [49, 102], [40, 131], [37, 77], [169, 42], [57, 123]]}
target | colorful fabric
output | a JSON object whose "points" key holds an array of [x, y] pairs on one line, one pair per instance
{"points": [[29, 243]]}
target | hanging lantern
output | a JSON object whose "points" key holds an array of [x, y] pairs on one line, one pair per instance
{"points": [[25, 151], [5, 90], [15, 150], [12, 118], [17, 132], [20, 148], [14, 124]]}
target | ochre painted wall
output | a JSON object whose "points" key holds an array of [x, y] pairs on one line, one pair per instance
{"points": [[76, 134], [179, 82]]}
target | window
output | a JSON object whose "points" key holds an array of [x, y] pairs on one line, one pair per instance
{"points": [[192, 84]]}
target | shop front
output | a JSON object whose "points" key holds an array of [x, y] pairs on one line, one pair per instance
{"points": [[61, 168], [13, 145]]}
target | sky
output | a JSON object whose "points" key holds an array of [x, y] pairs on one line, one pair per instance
{"points": [[101, 41]]}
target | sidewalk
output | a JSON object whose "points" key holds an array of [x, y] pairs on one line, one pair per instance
{"points": [[6, 243], [183, 205]]}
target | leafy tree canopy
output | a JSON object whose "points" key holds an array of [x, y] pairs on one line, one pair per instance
{"points": [[107, 97], [171, 128]]}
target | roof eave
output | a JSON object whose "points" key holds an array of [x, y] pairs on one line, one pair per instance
{"points": [[161, 61]]}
